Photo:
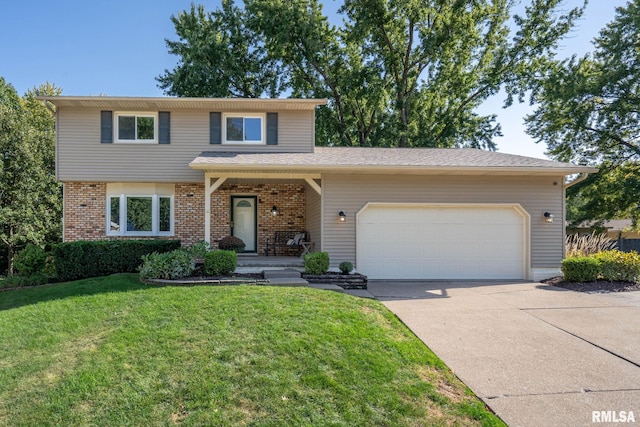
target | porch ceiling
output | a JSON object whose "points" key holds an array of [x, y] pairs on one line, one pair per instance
{"points": [[262, 174]]}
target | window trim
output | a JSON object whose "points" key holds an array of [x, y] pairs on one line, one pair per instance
{"points": [[263, 128], [136, 114], [155, 216]]}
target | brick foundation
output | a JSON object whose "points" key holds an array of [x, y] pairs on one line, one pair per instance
{"points": [[85, 211]]}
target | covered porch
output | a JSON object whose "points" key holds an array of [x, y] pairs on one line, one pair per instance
{"points": [[254, 207]]}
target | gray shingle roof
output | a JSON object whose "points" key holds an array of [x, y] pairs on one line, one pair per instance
{"points": [[358, 158], [611, 225]]}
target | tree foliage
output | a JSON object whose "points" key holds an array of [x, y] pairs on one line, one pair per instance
{"points": [[30, 197], [588, 111], [220, 56], [395, 72]]}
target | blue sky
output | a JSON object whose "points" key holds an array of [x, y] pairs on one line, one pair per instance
{"points": [[117, 48]]}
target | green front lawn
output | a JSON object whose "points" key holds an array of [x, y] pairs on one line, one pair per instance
{"points": [[111, 351]]}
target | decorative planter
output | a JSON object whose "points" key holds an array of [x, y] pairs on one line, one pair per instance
{"points": [[345, 281]]}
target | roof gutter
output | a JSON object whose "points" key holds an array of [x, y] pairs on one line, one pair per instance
{"points": [[578, 180], [429, 170]]}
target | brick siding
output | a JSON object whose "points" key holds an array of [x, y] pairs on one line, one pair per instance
{"points": [[288, 198], [189, 213], [85, 211]]}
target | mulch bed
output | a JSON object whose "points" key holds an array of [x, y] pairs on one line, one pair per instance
{"points": [[345, 281], [598, 286]]}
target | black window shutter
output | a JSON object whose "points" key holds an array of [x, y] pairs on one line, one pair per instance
{"points": [[164, 127], [215, 128], [106, 127], [272, 128]]}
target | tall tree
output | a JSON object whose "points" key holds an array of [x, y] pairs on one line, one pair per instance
{"points": [[588, 111], [323, 63], [220, 56], [30, 197], [400, 72]]}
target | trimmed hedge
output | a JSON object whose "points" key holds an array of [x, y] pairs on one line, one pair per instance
{"points": [[30, 261], [610, 265], [345, 267], [220, 262], [176, 264], [619, 266], [82, 259], [316, 263], [231, 243], [580, 269]]}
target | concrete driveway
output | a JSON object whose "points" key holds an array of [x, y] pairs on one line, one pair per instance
{"points": [[537, 355]]}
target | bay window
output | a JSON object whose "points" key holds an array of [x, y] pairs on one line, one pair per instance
{"points": [[139, 214]]}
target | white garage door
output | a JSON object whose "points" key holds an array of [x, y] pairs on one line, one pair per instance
{"points": [[441, 242]]}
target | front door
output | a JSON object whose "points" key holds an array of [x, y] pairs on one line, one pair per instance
{"points": [[243, 215]]}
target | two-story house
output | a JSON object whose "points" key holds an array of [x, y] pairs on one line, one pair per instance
{"points": [[200, 169]]}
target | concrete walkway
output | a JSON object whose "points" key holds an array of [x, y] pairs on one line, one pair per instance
{"points": [[537, 355]]}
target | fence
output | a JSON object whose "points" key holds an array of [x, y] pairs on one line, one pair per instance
{"points": [[628, 245]]}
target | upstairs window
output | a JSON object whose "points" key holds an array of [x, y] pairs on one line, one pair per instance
{"points": [[243, 128], [133, 127]]}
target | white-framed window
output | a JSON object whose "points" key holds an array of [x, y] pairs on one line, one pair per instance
{"points": [[240, 128], [136, 127], [139, 214]]}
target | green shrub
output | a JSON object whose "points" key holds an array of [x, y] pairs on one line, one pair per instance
{"points": [[199, 250], [231, 243], [316, 263], [220, 262], [21, 281], [30, 261], [168, 265], [580, 269], [619, 266], [346, 267], [50, 268], [82, 259]]}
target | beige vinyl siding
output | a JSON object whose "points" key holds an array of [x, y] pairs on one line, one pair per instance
{"points": [[535, 194], [313, 216], [81, 156]]}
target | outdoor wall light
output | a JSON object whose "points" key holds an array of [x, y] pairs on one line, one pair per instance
{"points": [[274, 210], [548, 217], [342, 217]]}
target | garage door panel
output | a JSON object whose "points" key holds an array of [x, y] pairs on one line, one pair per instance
{"points": [[441, 242], [429, 250]]}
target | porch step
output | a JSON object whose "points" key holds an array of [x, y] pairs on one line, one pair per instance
{"points": [[285, 277], [288, 281], [280, 274], [269, 261]]}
